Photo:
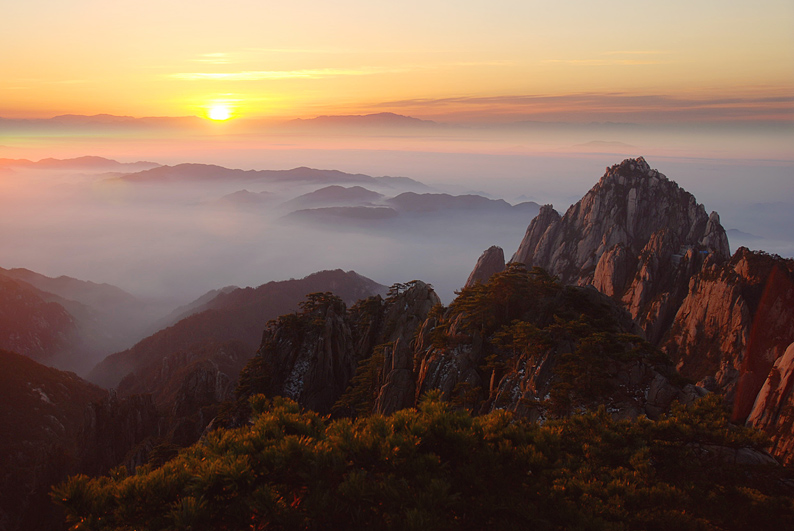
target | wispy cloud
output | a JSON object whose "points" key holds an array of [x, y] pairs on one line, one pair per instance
{"points": [[602, 106], [617, 58], [258, 75], [604, 62], [319, 73], [218, 58], [636, 52]]}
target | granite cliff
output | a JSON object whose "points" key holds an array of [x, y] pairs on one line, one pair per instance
{"points": [[725, 321]]}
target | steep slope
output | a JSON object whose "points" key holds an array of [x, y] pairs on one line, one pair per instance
{"points": [[66, 322], [636, 236], [107, 317], [239, 315], [32, 325], [735, 322], [520, 342], [773, 410], [724, 321], [491, 261], [42, 411]]}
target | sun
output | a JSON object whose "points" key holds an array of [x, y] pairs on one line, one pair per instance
{"points": [[220, 112]]}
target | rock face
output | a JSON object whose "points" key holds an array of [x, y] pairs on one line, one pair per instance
{"points": [[634, 236], [773, 410], [404, 317], [520, 341], [646, 243], [312, 357], [188, 387], [731, 333], [492, 261]]}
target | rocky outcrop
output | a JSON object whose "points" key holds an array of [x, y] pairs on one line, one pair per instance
{"points": [[646, 243], [189, 386], [773, 410], [312, 356], [492, 261], [735, 322], [309, 359], [406, 313], [634, 235]]}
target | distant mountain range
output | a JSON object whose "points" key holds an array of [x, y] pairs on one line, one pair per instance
{"points": [[379, 120], [100, 122], [67, 322], [428, 210], [211, 172], [79, 163]]}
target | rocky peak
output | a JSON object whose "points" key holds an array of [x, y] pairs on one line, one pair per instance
{"points": [[636, 236], [405, 315], [542, 223], [492, 261]]}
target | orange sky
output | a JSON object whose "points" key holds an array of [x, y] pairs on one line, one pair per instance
{"points": [[439, 59]]}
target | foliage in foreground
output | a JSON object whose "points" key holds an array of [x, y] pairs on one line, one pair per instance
{"points": [[435, 468]]}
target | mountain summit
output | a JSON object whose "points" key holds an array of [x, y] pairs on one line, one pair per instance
{"points": [[634, 236]]}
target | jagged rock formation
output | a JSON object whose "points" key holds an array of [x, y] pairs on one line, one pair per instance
{"points": [[492, 261], [519, 341], [773, 410], [735, 322], [405, 317], [643, 241], [310, 361], [312, 357], [635, 235]]}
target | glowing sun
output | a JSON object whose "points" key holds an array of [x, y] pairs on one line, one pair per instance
{"points": [[220, 112]]}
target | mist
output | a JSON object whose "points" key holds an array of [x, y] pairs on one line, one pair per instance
{"points": [[173, 241]]}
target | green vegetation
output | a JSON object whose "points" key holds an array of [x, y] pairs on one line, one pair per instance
{"points": [[435, 468]]}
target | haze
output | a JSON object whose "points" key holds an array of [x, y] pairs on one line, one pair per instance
{"points": [[523, 101]]}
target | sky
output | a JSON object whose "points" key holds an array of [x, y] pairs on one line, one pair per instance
{"points": [[532, 100], [446, 60]]}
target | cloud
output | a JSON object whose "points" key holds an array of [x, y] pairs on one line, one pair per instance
{"points": [[604, 62], [603, 106], [218, 58], [259, 75], [319, 73]]}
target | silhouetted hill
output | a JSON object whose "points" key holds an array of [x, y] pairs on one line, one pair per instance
{"points": [[33, 325], [42, 411], [379, 120], [79, 163], [244, 198], [66, 322], [239, 315], [333, 196], [427, 213], [210, 172]]}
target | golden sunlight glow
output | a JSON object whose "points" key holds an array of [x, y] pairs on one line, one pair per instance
{"points": [[220, 112]]}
